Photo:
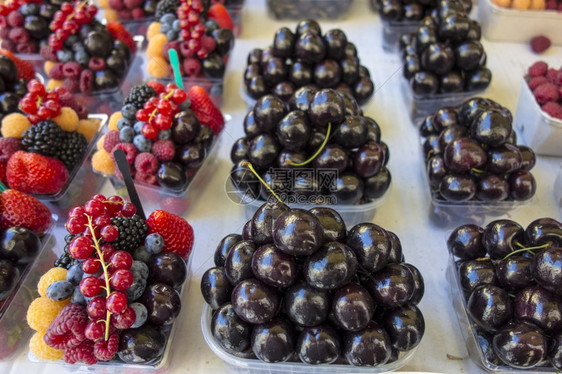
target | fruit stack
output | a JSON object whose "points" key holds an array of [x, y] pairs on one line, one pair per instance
{"points": [[14, 76], [306, 57], [298, 286], [42, 149], [510, 278], [115, 291], [299, 9], [471, 155], [202, 37]]}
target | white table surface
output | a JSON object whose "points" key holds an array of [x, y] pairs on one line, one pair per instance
{"points": [[404, 211]]}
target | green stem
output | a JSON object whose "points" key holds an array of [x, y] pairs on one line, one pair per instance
{"points": [[251, 167], [317, 152], [477, 170], [527, 249]]}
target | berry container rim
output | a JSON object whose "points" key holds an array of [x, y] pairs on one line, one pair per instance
{"points": [[255, 366], [468, 331], [318, 3], [558, 188]]}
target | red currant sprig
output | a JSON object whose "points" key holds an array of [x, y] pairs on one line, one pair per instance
{"points": [[38, 104], [192, 27], [68, 21]]}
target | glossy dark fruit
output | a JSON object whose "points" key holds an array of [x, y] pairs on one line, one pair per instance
{"points": [[411, 66], [268, 111], [457, 187], [555, 355], [438, 58], [492, 187], [352, 132], [424, 83], [424, 37], [349, 189], [263, 150], [231, 331], [371, 245], [471, 109], [238, 261], [254, 301], [333, 265], [284, 90], [294, 130], [213, 65], [350, 70], [419, 285], [332, 223], [544, 230], [468, 55], [336, 41], [306, 305], [263, 220], [454, 27], [451, 134], [474, 273], [247, 231], [368, 347], [168, 268], [302, 98], [546, 269], [274, 71], [191, 156], [377, 185], [105, 79], [504, 159], [250, 126], [333, 156], [99, 44], [252, 71], [310, 48], [273, 341], [243, 180], [186, 127], [318, 345], [297, 232], [171, 174], [352, 306], [436, 170], [522, 185], [142, 344], [464, 154], [273, 267], [539, 306], [327, 73], [490, 307], [215, 287], [285, 159], [9, 276], [491, 127], [308, 25], [19, 245], [528, 157], [514, 273], [451, 82], [501, 237], [363, 90], [162, 303], [283, 42], [478, 79], [326, 107], [405, 326], [257, 87], [391, 286], [373, 130], [254, 56], [239, 150], [465, 242], [391, 10], [9, 102], [444, 118], [521, 345]]}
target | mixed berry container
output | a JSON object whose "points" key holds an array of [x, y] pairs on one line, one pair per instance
{"points": [[512, 25], [254, 366], [13, 325], [213, 86], [540, 131], [300, 9]]}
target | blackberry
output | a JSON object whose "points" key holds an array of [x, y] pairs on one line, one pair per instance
{"points": [[44, 138], [72, 149], [166, 6], [132, 232], [64, 261], [139, 95]]}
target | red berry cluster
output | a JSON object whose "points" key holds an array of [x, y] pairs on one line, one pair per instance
{"points": [[91, 224], [8, 6], [68, 20], [192, 28], [38, 104], [158, 112]]}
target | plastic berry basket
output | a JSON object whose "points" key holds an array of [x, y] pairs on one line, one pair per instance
{"points": [[540, 131], [469, 332], [512, 25], [254, 366], [235, 10], [14, 332], [393, 30], [298, 9], [558, 189]]}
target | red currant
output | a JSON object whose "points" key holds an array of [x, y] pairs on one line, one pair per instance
{"points": [[157, 86], [163, 122], [43, 113], [102, 221], [67, 8], [120, 260], [75, 225], [113, 204], [124, 320], [142, 115], [151, 104], [90, 286], [164, 107], [109, 233], [96, 308], [94, 330], [91, 265], [121, 279], [28, 105], [170, 87], [106, 251], [36, 87], [99, 197], [179, 96], [116, 302], [33, 119], [202, 53], [81, 248], [128, 210], [149, 131], [94, 208], [77, 211], [53, 107], [200, 28], [88, 232], [194, 44]]}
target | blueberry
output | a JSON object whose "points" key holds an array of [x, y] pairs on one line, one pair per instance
{"points": [[168, 18], [139, 268], [136, 289], [126, 134], [176, 25], [123, 123], [141, 314], [82, 58], [165, 134], [138, 127], [210, 26], [165, 27], [60, 290], [64, 55], [77, 297], [129, 112], [72, 40], [142, 143], [74, 274], [30, 9], [172, 35], [154, 243], [141, 254]]}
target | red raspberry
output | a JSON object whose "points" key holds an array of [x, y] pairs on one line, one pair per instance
{"points": [[558, 78], [546, 92], [146, 178], [553, 109], [4, 33], [56, 71], [66, 99], [67, 330], [164, 150], [137, 13], [71, 69], [132, 4], [551, 5], [3, 22], [70, 85], [129, 149], [15, 19], [124, 14], [3, 172], [146, 163], [537, 81], [170, 45], [116, 4], [191, 66], [539, 44], [86, 81], [8, 45], [208, 43], [8, 146], [48, 53], [82, 353], [19, 35], [539, 68], [82, 111], [96, 63], [111, 140], [26, 47], [106, 350]]}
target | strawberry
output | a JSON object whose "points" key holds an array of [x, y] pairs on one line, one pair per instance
{"points": [[3, 172], [25, 68], [119, 32], [219, 13], [205, 110], [175, 230], [35, 174], [19, 209]]}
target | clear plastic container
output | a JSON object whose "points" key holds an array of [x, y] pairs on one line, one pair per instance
{"points": [[558, 189], [253, 366], [469, 332], [393, 30], [14, 331], [512, 25], [299, 9], [235, 10], [540, 131]]}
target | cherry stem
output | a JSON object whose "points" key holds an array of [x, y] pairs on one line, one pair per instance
{"points": [[479, 171], [167, 97], [251, 167], [3, 187], [527, 249], [315, 153], [105, 271]]}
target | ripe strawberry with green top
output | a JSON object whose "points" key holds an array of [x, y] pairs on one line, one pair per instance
{"points": [[19, 209], [36, 174], [175, 230], [220, 14], [205, 110]]}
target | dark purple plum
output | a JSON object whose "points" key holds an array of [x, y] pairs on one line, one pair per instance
{"points": [[465, 242], [306, 305], [521, 345], [273, 267], [168, 268], [143, 344], [254, 301], [371, 245], [368, 347], [474, 273], [490, 307], [162, 303], [353, 307], [215, 287], [273, 341], [392, 286], [332, 266], [405, 326], [318, 345], [230, 330]]}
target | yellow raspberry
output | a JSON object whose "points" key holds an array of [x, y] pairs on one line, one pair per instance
{"points": [[99, 143], [104, 4], [153, 29], [67, 119], [42, 311], [157, 67], [156, 46], [48, 66], [53, 83], [115, 117], [521, 4], [42, 351], [102, 162], [538, 4], [111, 15], [53, 275], [88, 128], [13, 125]]}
